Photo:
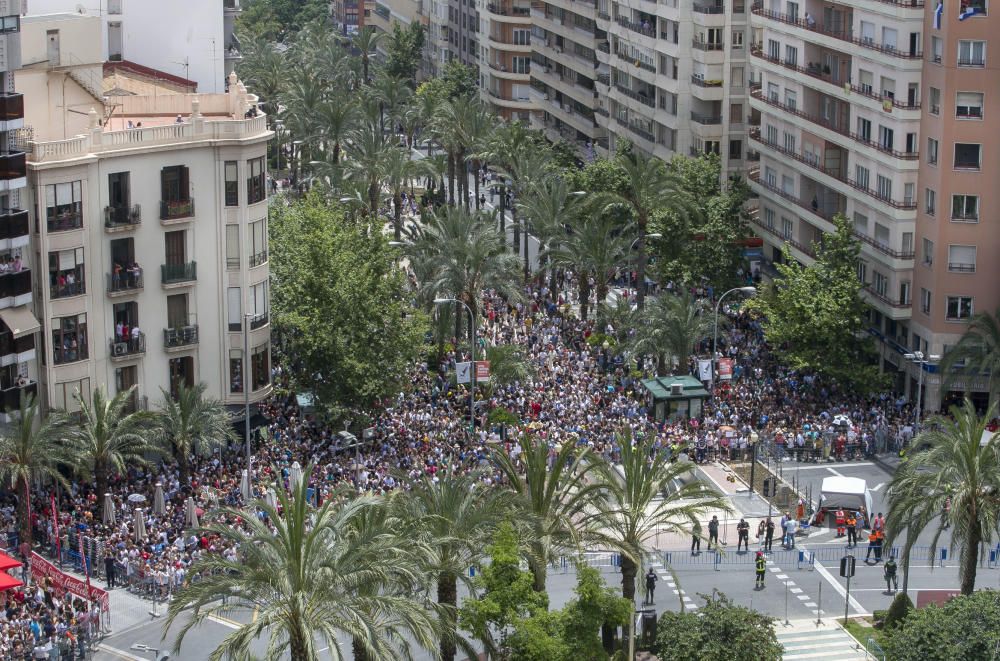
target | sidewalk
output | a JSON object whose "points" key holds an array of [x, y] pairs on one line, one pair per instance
{"points": [[828, 641]]}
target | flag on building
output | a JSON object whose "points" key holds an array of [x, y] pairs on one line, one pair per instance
{"points": [[938, 11], [967, 11]]}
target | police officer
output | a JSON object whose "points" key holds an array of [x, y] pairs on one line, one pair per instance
{"points": [[651, 579], [743, 530], [761, 567], [889, 571]]}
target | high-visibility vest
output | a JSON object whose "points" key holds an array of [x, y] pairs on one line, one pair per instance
{"points": [[851, 522], [761, 564], [840, 517]]}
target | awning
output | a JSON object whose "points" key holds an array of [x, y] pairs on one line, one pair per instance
{"points": [[7, 582], [7, 562], [20, 321]]}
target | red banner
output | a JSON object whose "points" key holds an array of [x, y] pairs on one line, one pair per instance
{"points": [[42, 568], [482, 370], [725, 369]]}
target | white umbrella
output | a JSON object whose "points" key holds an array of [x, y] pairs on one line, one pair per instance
{"points": [[192, 514], [136, 498], [109, 511], [271, 497], [159, 503], [245, 487], [295, 476], [140, 526]]}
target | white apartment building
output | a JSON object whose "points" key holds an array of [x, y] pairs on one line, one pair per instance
{"points": [[838, 94], [191, 39], [151, 215]]}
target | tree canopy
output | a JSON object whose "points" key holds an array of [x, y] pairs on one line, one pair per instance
{"points": [[405, 50], [718, 630], [966, 627]]}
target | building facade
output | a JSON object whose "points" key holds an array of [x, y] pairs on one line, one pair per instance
{"points": [[505, 57]]}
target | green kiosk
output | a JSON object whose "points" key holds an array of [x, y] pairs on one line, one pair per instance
{"points": [[674, 397]]}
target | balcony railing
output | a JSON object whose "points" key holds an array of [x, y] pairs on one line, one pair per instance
{"points": [[14, 223], [887, 300], [705, 119], [258, 259], [17, 284], [707, 45], [961, 268], [134, 345], [175, 273], [180, 337], [837, 128], [173, 209], [808, 250], [701, 82], [63, 354], [754, 175], [639, 63], [641, 132], [65, 221], [508, 11], [11, 107], [67, 290], [124, 282], [708, 9], [647, 30], [905, 204], [13, 165], [12, 347], [259, 321], [816, 72], [644, 99], [122, 216], [758, 9], [10, 398]]}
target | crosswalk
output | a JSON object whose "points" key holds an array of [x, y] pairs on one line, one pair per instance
{"points": [[805, 640]]}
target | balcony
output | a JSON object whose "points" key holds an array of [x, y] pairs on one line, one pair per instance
{"points": [[646, 28], [801, 247], [65, 221], [10, 398], [174, 274], [13, 165], [707, 45], [258, 259], [67, 290], [178, 338], [885, 299], [956, 267], [121, 349], [501, 10], [14, 225], [644, 99], [259, 320], [817, 73], [11, 107], [176, 209], [124, 283], [701, 82], [16, 286], [836, 128], [705, 119], [708, 9], [754, 176], [122, 217]]}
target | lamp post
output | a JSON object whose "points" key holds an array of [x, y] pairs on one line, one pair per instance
{"points": [[919, 359], [246, 397], [278, 125], [749, 291], [752, 441], [472, 371]]}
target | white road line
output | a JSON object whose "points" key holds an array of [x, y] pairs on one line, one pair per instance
{"points": [[795, 590], [820, 467], [858, 608], [782, 576], [803, 597], [810, 604], [878, 486], [122, 653], [223, 622], [834, 471]]}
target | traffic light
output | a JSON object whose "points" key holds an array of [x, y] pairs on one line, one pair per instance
{"points": [[731, 478], [767, 487]]}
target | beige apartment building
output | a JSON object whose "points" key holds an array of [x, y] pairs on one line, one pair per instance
{"points": [[149, 257], [505, 57]]}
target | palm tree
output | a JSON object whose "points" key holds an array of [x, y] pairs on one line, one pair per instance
{"points": [[110, 437], [448, 124], [455, 517], [263, 70], [392, 93], [33, 448], [367, 151], [366, 40], [505, 149], [669, 328], [593, 246], [334, 123], [476, 131], [399, 171], [643, 500], [552, 498], [949, 461], [191, 423], [310, 575], [977, 352], [508, 365], [551, 209], [650, 187]]}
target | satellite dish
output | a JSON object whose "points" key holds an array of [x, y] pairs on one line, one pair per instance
{"points": [[80, 9]]}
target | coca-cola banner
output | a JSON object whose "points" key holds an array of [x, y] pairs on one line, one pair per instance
{"points": [[42, 568]]}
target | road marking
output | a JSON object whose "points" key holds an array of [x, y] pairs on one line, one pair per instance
{"points": [[782, 576], [878, 486], [795, 590], [104, 647], [810, 604], [834, 471], [858, 608], [821, 466], [225, 621], [803, 597]]}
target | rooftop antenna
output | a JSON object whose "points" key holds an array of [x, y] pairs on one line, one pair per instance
{"points": [[187, 65]]}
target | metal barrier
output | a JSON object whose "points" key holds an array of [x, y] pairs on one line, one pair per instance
{"points": [[801, 558], [874, 650]]}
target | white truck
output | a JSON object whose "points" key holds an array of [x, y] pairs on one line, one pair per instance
{"points": [[849, 493]]}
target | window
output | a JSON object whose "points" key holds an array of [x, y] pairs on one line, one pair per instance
{"points": [[64, 206], [889, 36], [175, 191], [232, 184], [934, 101], [861, 176], [867, 32], [235, 370], [958, 308], [789, 142], [882, 235], [932, 151], [233, 247], [965, 208], [772, 92], [880, 283], [521, 64], [862, 272], [258, 243], [969, 105], [260, 369], [788, 184], [791, 55], [737, 38], [770, 177], [977, 6], [69, 339], [772, 134], [790, 99], [904, 295], [258, 305], [925, 302], [967, 156], [971, 53], [737, 77], [937, 49], [66, 273], [930, 201], [67, 394], [769, 218], [962, 259], [736, 150], [885, 137], [786, 228], [256, 189], [883, 187], [928, 252], [865, 80], [522, 37], [908, 243], [234, 309], [860, 223], [864, 129], [735, 113]]}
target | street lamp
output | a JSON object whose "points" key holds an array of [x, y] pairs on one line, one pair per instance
{"points": [[749, 291], [919, 359], [278, 125], [472, 371], [246, 397]]}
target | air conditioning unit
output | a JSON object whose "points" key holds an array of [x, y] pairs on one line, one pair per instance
{"points": [[676, 389], [121, 348]]}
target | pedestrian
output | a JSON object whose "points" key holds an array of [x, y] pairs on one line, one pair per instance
{"points": [[761, 566], [889, 572], [879, 522], [651, 579], [872, 540], [852, 533], [696, 538], [840, 518], [768, 534], [789, 539], [879, 539], [713, 533], [743, 531], [109, 568]]}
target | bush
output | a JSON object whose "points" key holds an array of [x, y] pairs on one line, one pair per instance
{"points": [[898, 610], [967, 627], [719, 630]]}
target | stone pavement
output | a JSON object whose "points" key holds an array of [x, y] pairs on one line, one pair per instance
{"points": [[828, 641]]}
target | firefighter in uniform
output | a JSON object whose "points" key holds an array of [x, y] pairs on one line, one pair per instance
{"points": [[840, 522], [761, 566]]}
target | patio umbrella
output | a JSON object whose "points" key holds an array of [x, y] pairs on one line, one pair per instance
{"points": [[136, 498], [140, 526], [109, 511], [192, 514], [245, 487], [159, 503], [271, 498], [295, 476]]}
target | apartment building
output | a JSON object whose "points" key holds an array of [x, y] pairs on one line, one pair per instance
{"points": [[505, 57], [150, 214], [191, 39], [18, 326], [432, 15]]}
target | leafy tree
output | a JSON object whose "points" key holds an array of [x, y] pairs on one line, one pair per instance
{"points": [[976, 353], [564, 156], [110, 437], [949, 461], [457, 81], [814, 317], [669, 328], [365, 41], [898, 611], [405, 50], [311, 575], [340, 306], [595, 605], [33, 447], [708, 242], [601, 176], [719, 630], [593, 247], [191, 423], [277, 19], [966, 627], [507, 594]]}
